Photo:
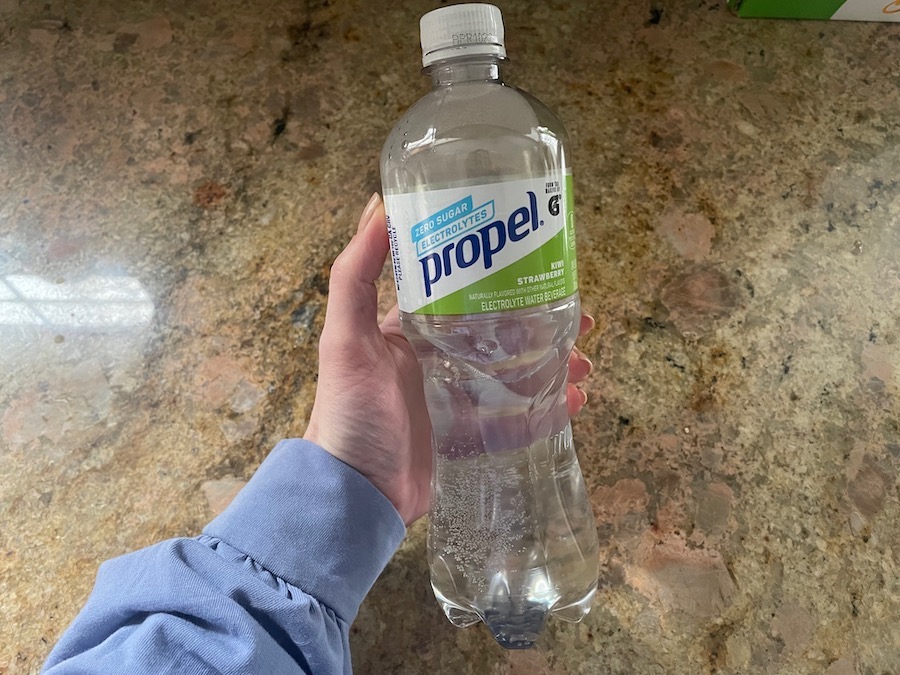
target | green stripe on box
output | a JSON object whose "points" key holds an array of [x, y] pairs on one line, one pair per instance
{"points": [[790, 9]]}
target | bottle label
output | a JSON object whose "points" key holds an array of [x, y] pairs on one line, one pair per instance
{"points": [[484, 248]]}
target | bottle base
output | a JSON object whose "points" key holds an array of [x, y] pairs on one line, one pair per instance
{"points": [[460, 617], [515, 626], [575, 612]]}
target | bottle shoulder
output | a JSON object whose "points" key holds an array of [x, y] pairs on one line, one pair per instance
{"points": [[470, 109]]}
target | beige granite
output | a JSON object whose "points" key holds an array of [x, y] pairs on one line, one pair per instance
{"points": [[175, 178]]}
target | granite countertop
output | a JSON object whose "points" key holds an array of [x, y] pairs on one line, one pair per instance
{"points": [[175, 179]]}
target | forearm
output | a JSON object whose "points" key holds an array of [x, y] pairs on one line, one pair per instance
{"points": [[271, 586]]}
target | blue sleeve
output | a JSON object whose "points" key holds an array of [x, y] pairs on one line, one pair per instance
{"points": [[271, 586]]}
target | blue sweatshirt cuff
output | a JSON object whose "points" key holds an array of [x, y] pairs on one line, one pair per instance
{"points": [[315, 522]]}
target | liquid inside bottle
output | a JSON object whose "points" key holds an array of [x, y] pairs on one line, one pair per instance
{"points": [[475, 175]]}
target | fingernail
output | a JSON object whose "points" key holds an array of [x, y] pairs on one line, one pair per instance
{"points": [[591, 319], [367, 212], [583, 397], [590, 364], [584, 359]]}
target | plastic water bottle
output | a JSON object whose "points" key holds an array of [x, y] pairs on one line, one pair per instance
{"points": [[478, 193]]}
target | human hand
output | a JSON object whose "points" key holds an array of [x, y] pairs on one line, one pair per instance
{"points": [[369, 410]]}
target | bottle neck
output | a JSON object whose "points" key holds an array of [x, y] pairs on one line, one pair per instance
{"points": [[465, 69]]}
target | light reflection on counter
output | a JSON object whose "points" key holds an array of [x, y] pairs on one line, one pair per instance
{"points": [[102, 302]]}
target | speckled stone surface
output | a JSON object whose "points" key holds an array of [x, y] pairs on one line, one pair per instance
{"points": [[175, 179]]}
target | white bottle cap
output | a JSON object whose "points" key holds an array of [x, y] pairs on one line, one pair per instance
{"points": [[456, 30]]}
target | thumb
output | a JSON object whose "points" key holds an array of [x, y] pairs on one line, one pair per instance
{"points": [[353, 299]]}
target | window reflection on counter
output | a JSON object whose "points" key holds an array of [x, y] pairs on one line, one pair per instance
{"points": [[96, 302]]}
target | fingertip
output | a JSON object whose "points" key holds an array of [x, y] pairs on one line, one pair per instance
{"points": [[366, 216], [575, 399], [377, 218], [352, 291], [372, 236], [587, 324], [580, 366], [588, 363]]}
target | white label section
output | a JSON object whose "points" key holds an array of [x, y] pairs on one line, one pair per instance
{"points": [[445, 240], [869, 10]]}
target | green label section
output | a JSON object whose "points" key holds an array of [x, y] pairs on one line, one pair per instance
{"points": [[544, 275], [787, 9]]}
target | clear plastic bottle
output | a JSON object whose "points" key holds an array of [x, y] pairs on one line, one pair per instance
{"points": [[478, 194]]}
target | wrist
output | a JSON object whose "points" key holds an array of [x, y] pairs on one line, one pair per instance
{"points": [[315, 522]]}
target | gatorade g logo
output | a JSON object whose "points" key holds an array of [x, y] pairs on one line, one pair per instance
{"points": [[553, 206], [483, 243]]}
